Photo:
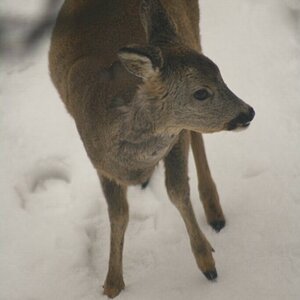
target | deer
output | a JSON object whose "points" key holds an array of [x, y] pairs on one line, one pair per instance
{"points": [[133, 76]]}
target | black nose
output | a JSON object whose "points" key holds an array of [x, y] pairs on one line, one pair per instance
{"points": [[251, 114], [242, 120]]}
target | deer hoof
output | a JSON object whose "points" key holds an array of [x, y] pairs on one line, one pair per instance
{"points": [[211, 275], [217, 225], [113, 291], [145, 184]]}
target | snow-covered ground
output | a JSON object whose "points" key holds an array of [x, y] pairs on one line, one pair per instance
{"points": [[54, 230]]}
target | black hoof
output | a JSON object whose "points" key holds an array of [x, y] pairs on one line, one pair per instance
{"points": [[217, 225], [144, 185], [211, 275]]}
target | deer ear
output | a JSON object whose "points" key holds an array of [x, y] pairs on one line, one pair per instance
{"points": [[141, 61], [158, 25]]}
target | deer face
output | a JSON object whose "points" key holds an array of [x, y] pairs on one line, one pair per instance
{"points": [[199, 98], [187, 89]]}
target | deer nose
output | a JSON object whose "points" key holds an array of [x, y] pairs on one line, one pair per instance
{"points": [[251, 114], [242, 120]]}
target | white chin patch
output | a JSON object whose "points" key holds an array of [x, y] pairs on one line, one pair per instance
{"points": [[241, 128]]}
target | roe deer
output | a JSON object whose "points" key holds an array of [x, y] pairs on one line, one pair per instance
{"points": [[133, 76]]}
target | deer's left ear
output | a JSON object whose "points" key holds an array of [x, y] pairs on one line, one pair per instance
{"points": [[142, 62], [159, 26]]}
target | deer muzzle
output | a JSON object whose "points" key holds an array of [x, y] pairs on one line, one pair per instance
{"points": [[242, 120]]}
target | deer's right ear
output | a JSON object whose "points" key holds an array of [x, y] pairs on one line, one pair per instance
{"points": [[142, 62]]}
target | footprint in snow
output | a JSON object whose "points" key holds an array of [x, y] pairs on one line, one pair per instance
{"points": [[45, 188]]}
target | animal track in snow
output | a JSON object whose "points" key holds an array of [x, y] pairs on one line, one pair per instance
{"points": [[45, 186]]}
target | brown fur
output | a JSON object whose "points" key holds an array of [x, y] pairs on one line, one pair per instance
{"points": [[128, 72]]}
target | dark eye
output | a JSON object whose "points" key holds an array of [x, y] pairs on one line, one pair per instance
{"points": [[202, 94]]}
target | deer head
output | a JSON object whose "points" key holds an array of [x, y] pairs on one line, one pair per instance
{"points": [[181, 88]]}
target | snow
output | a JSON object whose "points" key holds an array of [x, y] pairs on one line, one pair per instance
{"points": [[54, 230]]}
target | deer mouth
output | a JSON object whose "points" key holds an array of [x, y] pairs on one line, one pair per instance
{"points": [[237, 126]]}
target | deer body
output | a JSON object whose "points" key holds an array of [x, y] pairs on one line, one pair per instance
{"points": [[132, 75], [82, 44]]}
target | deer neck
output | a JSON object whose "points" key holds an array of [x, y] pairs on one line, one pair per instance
{"points": [[146, 132]]}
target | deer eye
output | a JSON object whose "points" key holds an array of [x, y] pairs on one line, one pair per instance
{"points": [[202, 94]]}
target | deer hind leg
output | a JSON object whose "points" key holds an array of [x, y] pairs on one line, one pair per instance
{"points": [[207, 188], [178, 190], [118, 215]]}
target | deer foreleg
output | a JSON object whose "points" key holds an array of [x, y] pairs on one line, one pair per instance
{"points": [[178, 190], [118, 215], [207, 188]]}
